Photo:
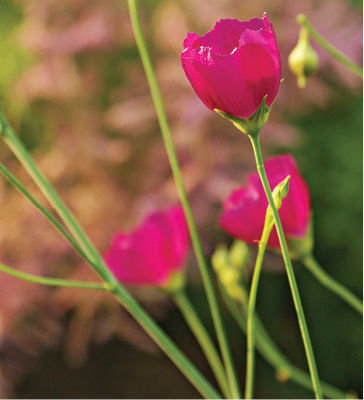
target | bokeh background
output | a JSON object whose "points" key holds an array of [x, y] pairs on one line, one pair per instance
{"points": [[73, 87]]}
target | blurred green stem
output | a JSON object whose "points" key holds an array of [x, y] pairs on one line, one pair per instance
{"points": [[289, 268], [330, 283], [273, 355], [204, 340], [163, 122], [11, 178], [302, 20], [41, 280], [143, 318], [249, 379]]}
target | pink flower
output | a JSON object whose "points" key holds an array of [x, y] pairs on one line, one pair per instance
{"points": [[153, 251], [245, 208], [234, 66]]}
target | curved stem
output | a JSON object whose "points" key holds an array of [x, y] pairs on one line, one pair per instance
{"points": [[41, 280], [273, 355], [11, 178], [204, 340], [141, 316], [289, 268], [330, 283], [163, 122], [249, 379], [302, 20]]}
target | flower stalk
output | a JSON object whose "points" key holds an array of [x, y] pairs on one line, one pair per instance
{"points": [[289, 268], [167, 138], [42, 280], [302, 20], [273, 355], [279, 193], [331, 284], [203, 338]]}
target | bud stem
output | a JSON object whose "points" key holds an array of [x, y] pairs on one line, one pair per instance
{"points": [[249, 378], [302, 20], [289, 268], [330, 283], [203, 338]]}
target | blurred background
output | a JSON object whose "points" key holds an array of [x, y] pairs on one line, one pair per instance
{"points": [[72, 85]]}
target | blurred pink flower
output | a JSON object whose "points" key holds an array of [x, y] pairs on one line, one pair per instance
{"points": [[245, 208], [153, 251], [234, 66]]}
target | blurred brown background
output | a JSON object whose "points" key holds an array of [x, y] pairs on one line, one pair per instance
{"points": [[73, 87]]}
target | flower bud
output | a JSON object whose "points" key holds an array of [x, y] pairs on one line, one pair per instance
{"points": [[303, 59]]}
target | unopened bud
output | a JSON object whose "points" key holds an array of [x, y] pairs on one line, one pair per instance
{"points": [[281, 191], [303, 60]]}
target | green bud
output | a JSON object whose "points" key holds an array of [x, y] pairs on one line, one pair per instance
{"points": [[239, 255], [254, 124], [303, 60], [219, 258], [281, 191]]}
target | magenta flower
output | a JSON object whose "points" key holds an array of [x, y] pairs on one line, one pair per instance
{"points": [[232, 67], [153, 251], [245, 208]]}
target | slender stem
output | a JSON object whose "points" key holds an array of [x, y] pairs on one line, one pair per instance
{"points": [[204, 340], [11, 178], [289, 268], [163, 122], [302, 20], [24, 157], [41, 280], [273, 355], [330, 283], [249, 379], [143, 318]]}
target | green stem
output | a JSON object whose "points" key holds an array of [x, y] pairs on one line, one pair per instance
{"points": [[11, 178], [289, 268], [143, 318], [273, 355], [41, 280], [163, 122], [302, 20], [204, 340], [330, 283], [249, 379], [17, 147]]}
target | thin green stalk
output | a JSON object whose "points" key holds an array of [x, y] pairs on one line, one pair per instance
{"points": [[204, 340], [302, 20], [289, 268], [273, 355], [143, 318], [249, 379], [206, 278], [330, 283], [11, 178], [41, 280], [17, 147]]}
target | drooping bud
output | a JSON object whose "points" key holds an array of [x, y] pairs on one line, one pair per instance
{"points": [[303, 60]]}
